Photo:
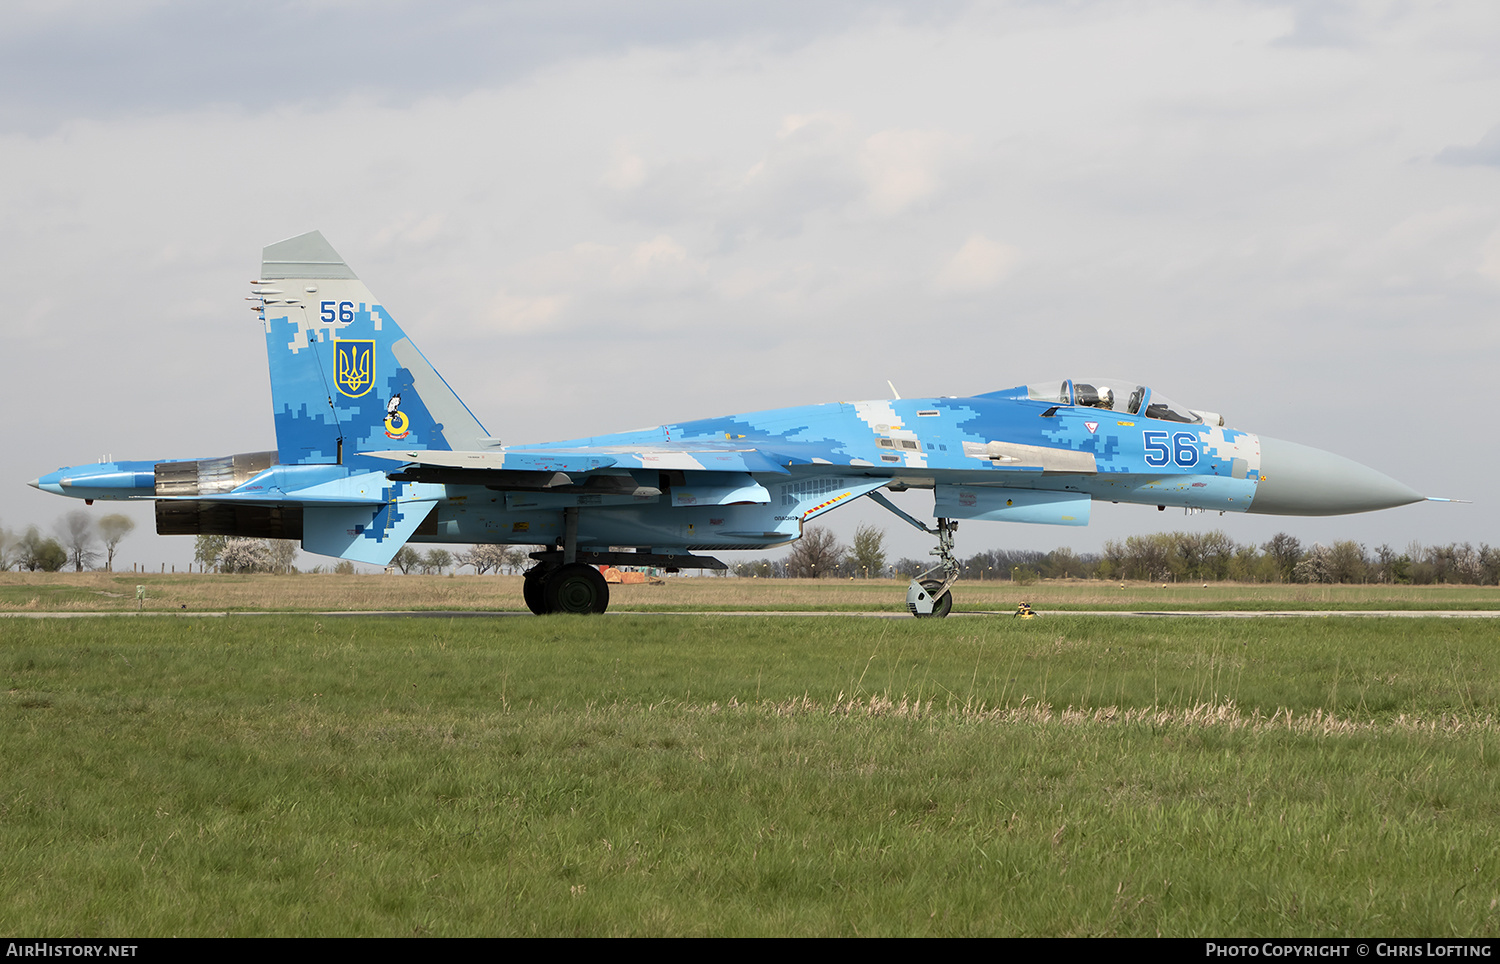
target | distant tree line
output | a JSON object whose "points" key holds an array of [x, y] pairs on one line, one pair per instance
{"points": [[1214, 557], [1161, 557], [79, 541], [233, 555], [819, 554], [1210, 556], [501, 560]]}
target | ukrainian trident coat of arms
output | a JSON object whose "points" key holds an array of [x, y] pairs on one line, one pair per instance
{"points": [[354, 366]]}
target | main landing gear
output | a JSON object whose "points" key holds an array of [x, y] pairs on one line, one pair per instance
{"points": [[567, 579], [570, 588], [928, 594], [565, 585]]}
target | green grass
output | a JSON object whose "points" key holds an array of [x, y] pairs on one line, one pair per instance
{"points": [[296, 775], [116, 592]]}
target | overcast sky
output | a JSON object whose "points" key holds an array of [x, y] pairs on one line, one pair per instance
{"points": [[598, 216]]}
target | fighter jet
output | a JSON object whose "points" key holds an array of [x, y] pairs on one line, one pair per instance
{"points": [[375, 450]]}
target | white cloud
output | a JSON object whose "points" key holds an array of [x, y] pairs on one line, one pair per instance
{"points": [[904, 168], [1489, 257], [979, 265], [510, 313], [1246, 224]]}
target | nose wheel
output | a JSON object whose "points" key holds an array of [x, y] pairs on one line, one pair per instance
{"points": [[929, 593]]}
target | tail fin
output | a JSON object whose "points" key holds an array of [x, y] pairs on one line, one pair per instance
{"points": [[345, 378]]}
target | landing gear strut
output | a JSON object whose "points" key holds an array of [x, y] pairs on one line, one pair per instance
{"points": [[928, 593], [565, 585], [567, 579], [568, 587]]}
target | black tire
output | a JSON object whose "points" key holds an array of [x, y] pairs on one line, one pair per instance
{"points": [[941, 605], [532, 590], [576, 588]]}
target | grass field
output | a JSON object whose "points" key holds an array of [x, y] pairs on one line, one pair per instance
{"points": [[298, 774], [106, 592]]}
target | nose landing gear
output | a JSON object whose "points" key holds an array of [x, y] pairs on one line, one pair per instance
{"points": [[928, 593]]}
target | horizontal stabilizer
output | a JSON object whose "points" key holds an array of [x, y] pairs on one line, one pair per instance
{"points": [[272, 498], [689, 458], [499, 460], [276, 485], [362, 533]]}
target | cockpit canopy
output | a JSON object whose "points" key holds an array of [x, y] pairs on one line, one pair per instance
{"points": [[1118, 395]]}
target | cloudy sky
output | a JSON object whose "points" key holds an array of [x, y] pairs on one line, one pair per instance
{"points": [[596, 216]]}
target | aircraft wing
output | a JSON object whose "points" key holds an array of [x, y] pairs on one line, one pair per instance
{"points": [[687, 456]]}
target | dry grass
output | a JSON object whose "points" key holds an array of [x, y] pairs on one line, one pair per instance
{"points": [[116, 592], [1225, 714]]}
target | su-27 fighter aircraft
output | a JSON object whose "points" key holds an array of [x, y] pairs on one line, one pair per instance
{"points": [[374, 450]]}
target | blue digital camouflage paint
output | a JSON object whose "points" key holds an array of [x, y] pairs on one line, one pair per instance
{"points": [[374, 449]]}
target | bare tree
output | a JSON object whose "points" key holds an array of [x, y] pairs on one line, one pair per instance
{"points": [[207, 550], [1347, 562], [283, 553], [816, 554], [867, 557], [76, 533], [1287, 551], [758, 569], [518, 558], [35, 551], [406, 559], [113, 528], [436, 560], [482, 558]]}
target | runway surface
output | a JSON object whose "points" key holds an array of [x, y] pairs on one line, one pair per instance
{"points": [[881, 614]]}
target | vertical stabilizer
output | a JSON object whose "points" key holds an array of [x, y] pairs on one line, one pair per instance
{"points": [[345, 378]]}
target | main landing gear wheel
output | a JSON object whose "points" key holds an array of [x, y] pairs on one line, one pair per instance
{"points": [[532, 591], [575, 588], [941, 605]]}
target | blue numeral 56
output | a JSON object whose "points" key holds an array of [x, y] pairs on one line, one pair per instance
{"points": [[344, 312], [1183, 450]]}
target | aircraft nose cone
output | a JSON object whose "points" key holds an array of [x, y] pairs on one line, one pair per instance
{"points": [[51, 482], [1299, 480]]}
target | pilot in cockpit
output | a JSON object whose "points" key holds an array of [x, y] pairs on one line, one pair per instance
{"points": [[1091, 397]]}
